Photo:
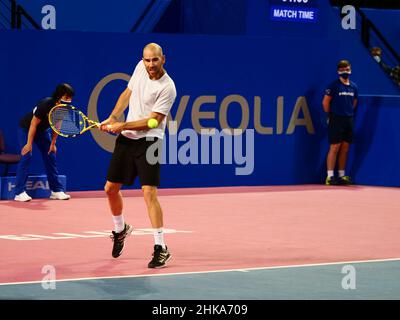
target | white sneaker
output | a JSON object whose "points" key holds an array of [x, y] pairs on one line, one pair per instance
{"points": [[59, 195], [23, 197]]}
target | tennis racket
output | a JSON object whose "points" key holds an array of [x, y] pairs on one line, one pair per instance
{"points": [[67, 121]]}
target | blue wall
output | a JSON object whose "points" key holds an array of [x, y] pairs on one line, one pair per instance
{"points": [[89, 15], [242, 17], [387, 21], [375, 155], [33, 62], [372, 79], [275, 66]]}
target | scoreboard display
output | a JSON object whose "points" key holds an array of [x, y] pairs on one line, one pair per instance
{"points": [[294, 10]]}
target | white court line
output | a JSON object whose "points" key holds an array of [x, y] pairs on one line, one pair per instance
{"points": [[212, 271]]}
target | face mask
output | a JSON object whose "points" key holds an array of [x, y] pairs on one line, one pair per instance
{"points": [[377, 58], [344, 74]]}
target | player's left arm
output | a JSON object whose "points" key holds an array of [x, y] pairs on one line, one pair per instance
{"points": [[138, 124]]}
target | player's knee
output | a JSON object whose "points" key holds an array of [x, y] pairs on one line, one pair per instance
{"points": [[335, 147], [344, 147], [149, 193], [110, 189]]}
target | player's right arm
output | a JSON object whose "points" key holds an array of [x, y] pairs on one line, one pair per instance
{"points": [[326, 103], [120, 106], [31, 135]]}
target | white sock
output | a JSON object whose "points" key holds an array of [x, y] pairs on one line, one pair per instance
{"points": [[119, 223], [330, 173], [159, 237], [341, 173]]}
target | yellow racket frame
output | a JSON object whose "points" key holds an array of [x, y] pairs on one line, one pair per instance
{"points": [[87, 124]]}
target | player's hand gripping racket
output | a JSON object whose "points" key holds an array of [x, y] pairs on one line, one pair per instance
{"points": [[68, 121]]}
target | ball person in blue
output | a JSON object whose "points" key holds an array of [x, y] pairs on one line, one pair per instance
{"points": [[34, 128], [339, 102]]}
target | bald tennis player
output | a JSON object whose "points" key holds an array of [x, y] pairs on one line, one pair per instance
{"points": [[150, 94]]}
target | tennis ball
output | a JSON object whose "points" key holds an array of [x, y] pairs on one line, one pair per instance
{"points": [[152, 123]]}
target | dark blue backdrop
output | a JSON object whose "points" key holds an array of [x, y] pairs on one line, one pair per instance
{"points": [[32, 63], [89, 15]]}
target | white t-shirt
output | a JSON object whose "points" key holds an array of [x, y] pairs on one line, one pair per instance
{"points": [[149, 96]]}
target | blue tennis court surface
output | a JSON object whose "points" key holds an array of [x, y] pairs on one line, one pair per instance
{"points": [[375, 279]]}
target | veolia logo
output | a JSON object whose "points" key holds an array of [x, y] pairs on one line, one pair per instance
{"points": [[251, 111]]}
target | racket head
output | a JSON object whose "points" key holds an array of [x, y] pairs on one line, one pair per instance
{"points": [[67, 121]]}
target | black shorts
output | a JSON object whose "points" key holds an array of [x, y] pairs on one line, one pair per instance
{"points": [[129, 161], [340, 129]]}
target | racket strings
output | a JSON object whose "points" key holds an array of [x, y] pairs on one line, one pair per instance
{"points": [[67, 121]]}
